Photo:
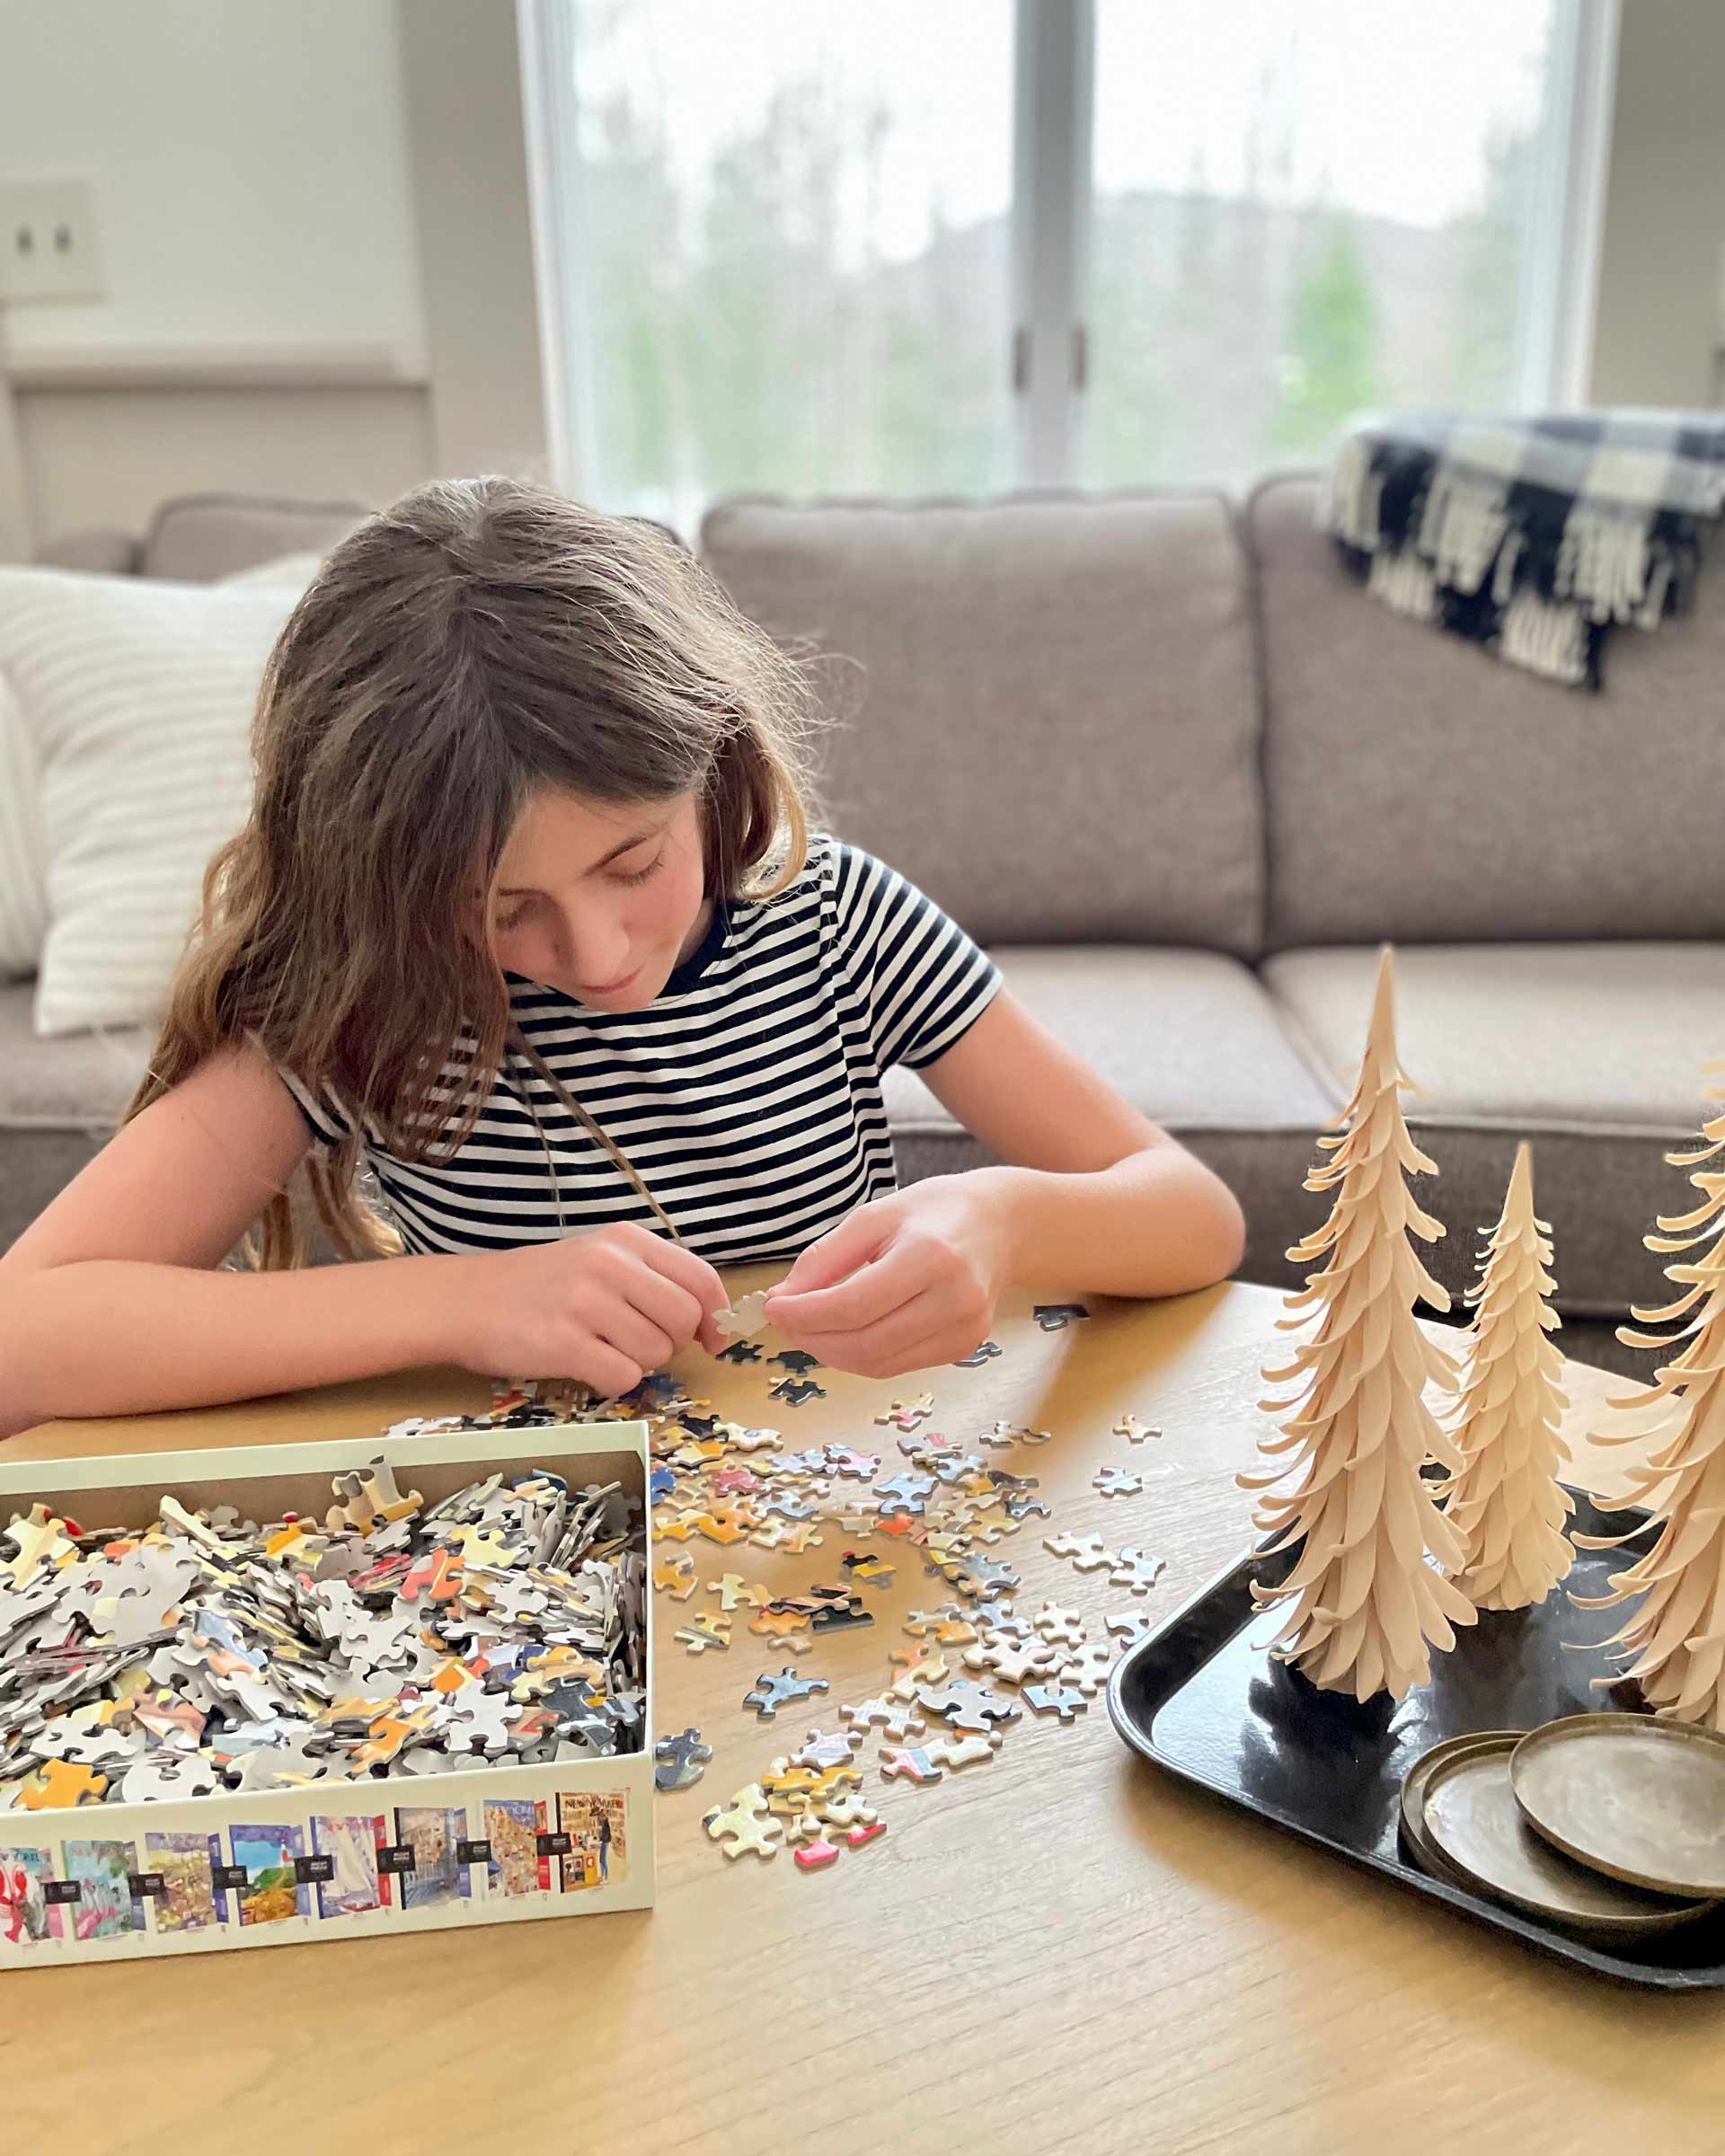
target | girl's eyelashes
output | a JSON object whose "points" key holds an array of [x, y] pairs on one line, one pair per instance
{"points": [[641, 875], [502, 923]]}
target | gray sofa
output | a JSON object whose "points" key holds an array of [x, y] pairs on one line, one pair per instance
{"points": [[1182, 777]]}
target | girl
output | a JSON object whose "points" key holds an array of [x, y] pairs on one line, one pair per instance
{"points": [[527, 970]]}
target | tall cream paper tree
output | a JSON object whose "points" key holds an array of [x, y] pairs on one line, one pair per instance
{"points": [[1506, 1502], [1363, 1607], [1675, 1642]]}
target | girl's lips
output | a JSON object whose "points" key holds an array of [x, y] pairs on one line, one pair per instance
{"points": [[611, 987]]}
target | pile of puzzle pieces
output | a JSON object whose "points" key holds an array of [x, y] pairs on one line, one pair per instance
{"points": [[906, 1486], [207, 1653]]}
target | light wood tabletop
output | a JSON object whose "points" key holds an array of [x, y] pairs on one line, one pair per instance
{"points": [[1062, 1950]]}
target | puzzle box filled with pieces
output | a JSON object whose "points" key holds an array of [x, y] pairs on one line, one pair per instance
{"points": [[569, 1832]]}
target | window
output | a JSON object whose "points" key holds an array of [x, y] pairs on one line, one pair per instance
{"points": [[786, 225], [793, 246]]}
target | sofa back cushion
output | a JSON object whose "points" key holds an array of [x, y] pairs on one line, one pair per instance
{"points": [[1048, 702], [200, 537], [1420, 790]]}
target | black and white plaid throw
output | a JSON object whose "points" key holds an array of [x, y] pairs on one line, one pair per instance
{"points": [[1532, 537]]}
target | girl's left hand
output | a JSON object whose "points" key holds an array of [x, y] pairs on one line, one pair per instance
{"points": [[907, 1282]]}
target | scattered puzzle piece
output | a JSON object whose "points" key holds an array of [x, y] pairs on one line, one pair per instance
{"points": [[918, 1665], [744, 1825], [795, 1391], [848, 1810], [1088, 1552], [1133, 1626], [1065, 1628], [873, 1572], [770, 1693], [1117, 1482], [675, 1575], [905, 1414], [827, 1748], [1130, 1427], [679, 1762], [704, 1631], [973, 1751], [967, 1706], [1054, 1317], [732, 1588], [1002, 1434], [898, 1720], [949, 1627], [1012, 1662], [750, 1441], [908, 1762], [740, 1351], [1135, 1570], [1056, 1699], [815, 1855], [985, 1351], [1087, 1670], [859, 1837]]}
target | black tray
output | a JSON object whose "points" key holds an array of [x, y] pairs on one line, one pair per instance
{"points": [[1201, 1698]]}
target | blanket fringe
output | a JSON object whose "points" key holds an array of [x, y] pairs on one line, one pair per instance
{"points": [[1610, 565], [1406, 583], [1462, 532], [1547, 638], [1353, 499]]}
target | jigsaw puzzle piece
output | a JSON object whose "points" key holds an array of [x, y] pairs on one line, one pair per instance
{"points": [[743, 1827]]}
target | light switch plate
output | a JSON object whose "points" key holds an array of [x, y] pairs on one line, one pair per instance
{"points": [[48, 241]]}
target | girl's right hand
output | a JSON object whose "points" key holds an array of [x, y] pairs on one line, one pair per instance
{"points": [[604, 1306]]}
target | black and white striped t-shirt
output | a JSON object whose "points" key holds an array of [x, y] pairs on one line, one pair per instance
{"points": [[748, 1095]]}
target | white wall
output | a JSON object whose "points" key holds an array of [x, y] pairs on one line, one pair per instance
{"points": [[261, 327], [1659, 271], [249, 162]]}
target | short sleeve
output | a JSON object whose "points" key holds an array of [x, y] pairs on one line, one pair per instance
{"points": [[920, 978], [322, 1113]]}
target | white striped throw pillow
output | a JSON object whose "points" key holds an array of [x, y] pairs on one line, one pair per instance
{"points": [[23, 870], [136, 700]]}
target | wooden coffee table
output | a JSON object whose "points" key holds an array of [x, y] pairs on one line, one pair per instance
{"points": [[1061, 1950]]}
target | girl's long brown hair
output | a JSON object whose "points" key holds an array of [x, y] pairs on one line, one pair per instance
{"points": [[478, 640]]}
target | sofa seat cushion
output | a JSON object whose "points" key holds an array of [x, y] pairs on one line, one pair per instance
{"points": [[59, 1099], [1592, 1051], [1188, 1037], [1050, 703], [72, 1082]]}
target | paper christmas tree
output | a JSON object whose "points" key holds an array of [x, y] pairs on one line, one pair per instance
{"points": [[1506, 1502], [1363, 1607], [1674, 1643]]}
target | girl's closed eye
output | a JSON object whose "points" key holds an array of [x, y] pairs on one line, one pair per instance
{"points": [[641, 875]]}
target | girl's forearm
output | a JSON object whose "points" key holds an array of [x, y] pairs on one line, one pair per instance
{"points": [[1158, 1223], [109, 1337]]}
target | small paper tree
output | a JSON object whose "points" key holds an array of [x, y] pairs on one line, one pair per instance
{"points": [[1674, 1643], [1364, 1608], [1506, 1502]]}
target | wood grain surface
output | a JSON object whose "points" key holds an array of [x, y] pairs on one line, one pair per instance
{"points": [[1059, 1950]]}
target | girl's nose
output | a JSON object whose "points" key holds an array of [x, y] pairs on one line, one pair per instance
{"points": [[597, 953]]}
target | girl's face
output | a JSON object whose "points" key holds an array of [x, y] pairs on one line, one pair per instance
{"points": [[599, 901]]}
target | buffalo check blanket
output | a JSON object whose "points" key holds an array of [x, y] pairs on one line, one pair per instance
{"points": [[1534, 537]]}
